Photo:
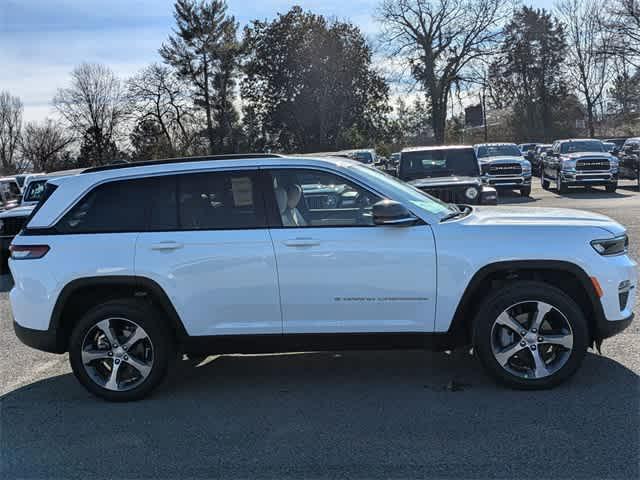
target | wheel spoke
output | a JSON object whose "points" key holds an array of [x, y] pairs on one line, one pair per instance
{"points": [[565, 339], [141, 367], [508, 321], [90, 355], [541, 369], [504, 355], [542, 310], [112, 382], [136, 336], [105, 327]]}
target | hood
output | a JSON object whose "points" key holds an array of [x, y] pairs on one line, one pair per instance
{"points": [[533, 216], [22, 211], [432, 182], [502, 159], [578, 155]]}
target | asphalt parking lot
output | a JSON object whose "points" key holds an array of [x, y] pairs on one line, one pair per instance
{"points": [[343, 414]]}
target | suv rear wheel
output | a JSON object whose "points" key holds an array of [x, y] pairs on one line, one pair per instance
{"points": [[530, 335], [120, 350]]}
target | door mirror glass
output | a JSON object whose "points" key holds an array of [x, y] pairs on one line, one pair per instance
{"points": [[389, 212]]}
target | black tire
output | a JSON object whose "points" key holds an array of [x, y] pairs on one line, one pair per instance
{"points": [[144, 315], [562, 187], [524, 291], [525, 192], [611, 188], [544, 182]]}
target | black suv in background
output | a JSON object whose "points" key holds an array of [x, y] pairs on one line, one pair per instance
{"points": [[579, 163], [538, 155], [629, 157], [450, 173]]}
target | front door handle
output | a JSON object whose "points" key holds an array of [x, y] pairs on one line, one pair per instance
{"points": [[302, 242], [168, 245]]}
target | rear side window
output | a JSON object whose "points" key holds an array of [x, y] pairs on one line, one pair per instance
{"points": [[109, 208], [219, 201]]}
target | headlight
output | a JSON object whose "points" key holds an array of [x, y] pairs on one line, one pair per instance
{"points": [[611, 246], [568, 164], [526, 167], [471, 193]]}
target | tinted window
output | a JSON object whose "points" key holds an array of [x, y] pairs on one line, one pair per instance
{"points": [[34, 190], [439, 163], [582, 146], [498, 151], [111, 207], [222, 200], [311, 198]]}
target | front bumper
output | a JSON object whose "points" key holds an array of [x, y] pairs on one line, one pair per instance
{"points": [[498, 181], [577, 177], [607, 328]]}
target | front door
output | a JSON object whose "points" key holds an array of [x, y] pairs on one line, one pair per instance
{"points": [[340, 273]]}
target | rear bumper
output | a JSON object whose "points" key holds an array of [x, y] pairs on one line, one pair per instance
{"points": [[45, 340]]}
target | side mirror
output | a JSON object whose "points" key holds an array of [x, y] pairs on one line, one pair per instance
{"points": [[390, 212]]}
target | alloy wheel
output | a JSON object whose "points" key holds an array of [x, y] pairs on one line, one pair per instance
{"points": [[531, 339], [117, 354]]}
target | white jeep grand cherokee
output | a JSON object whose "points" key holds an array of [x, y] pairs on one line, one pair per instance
{"points": [[126, 266]]}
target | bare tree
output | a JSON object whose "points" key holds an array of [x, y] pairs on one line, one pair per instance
{"points": [[439, 40], [588, 40], [158, 96], [94, 107], [43, 144], [624, 26], [10, 129]]}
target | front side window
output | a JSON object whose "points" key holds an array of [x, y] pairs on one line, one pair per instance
{"points": [[312, 198]]}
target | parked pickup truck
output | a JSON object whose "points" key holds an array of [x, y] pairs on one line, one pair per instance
{"points": [[503, 166], [450, 173], [579, 163]]}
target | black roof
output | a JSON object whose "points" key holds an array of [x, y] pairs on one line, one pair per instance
{"points": [[233, 156]]}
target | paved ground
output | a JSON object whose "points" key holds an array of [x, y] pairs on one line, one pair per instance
{"points": [[376, 414]]}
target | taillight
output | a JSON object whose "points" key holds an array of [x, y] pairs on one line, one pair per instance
{"points": [[28, 252]]}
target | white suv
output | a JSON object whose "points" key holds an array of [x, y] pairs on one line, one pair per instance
{"points": [[126, 266]]}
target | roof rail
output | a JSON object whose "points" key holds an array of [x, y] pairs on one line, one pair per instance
{"points": [[231, 156]]}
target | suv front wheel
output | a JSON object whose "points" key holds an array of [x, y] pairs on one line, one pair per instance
{"points": [[120, 350], [530, 335]]}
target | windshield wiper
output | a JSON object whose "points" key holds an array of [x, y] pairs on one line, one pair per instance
{"points": [[457, 213]]}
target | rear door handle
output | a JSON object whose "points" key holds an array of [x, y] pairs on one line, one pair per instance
{"points": [[302, 242], [168, 245]]}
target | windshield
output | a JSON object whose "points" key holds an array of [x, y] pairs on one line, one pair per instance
{"points": [[582, 146], [415, 196], [34, 191], [364, 157], [439, 163], [498, 151]]}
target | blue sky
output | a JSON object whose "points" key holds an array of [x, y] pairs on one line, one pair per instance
{"points": [[42, 40]]}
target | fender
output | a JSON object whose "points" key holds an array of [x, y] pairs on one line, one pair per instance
{"points": [[460, 323]]}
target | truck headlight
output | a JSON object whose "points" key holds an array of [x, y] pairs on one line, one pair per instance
{"points": [[568, 164], [611, 246], [526, 167], [471, 193]]}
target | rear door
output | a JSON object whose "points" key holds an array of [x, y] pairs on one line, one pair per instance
{"points": [[208, 247]]}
